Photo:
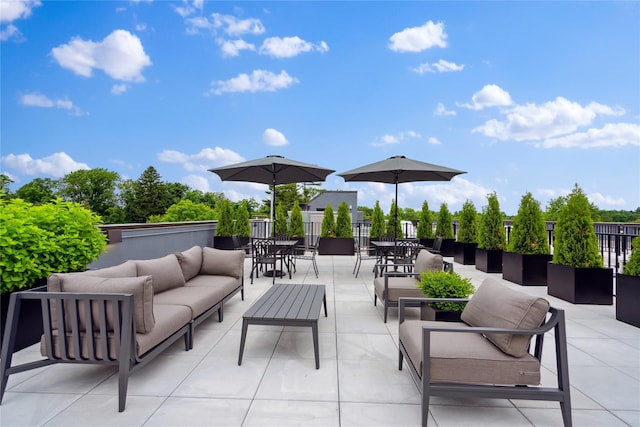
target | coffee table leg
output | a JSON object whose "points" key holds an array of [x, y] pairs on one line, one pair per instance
{"points": [[324, 300], [316, 349], [243, 338]]}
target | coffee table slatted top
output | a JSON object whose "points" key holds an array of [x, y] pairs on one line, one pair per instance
{"points": [[286, 302]]}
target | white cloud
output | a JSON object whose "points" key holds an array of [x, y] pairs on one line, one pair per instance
{"points": [[56, 165], [288, 47], [442, 111], [17, 9], [11, 31], [389, 139], [233, 47], [535, 122], [202, 161], [600, 199], [441, 66], [119, 89], [274, 138], [197, 182], [188, 9], [611, 135], [489, 96], [258, 81], [236, 27], [417, 39], [433, 141], [120, 55], [40, 100]]}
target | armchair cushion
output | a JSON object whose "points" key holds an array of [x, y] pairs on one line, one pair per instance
{"points": [[190, 262], [495, 305], [222, 262], [426, 261], [166, 272]]}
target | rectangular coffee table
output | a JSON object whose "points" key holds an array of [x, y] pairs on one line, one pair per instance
{"points": [[287, 305]]}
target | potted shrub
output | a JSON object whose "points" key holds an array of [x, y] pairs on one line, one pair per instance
{"points": [[336, 236], [224, 229], [576, 273], [425, 226], [467, 242], [525, 260], [394, 228], [628, 288], [296, 226], [242, 226], [491, 237], [444, 229], [442, 284], [377, 225], [36, 241], [281, 228]]}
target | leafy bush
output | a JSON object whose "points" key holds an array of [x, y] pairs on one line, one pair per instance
{"points": [[468, 231], [296, 225], [39, 240], [576, 243], [281, 226], [425, 223], [529, 232], [441, 284], [491, 234], [444, 225], [328, 223], [225, 219], [377, 222], [343, 223], [185, 210], [632, 267], [393, 225], [242, 227]]}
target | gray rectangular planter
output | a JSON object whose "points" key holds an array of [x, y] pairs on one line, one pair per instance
{"points": [[580, 285], [336, 246], [526, 270], [628, 299]]}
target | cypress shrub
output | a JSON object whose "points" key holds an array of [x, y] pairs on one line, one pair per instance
{"points": [[328, 223], [632, 267], [394, 227], [491, 234], [425, 223], [225, 219], [281, 226], [444, 225], [529, 232], [343, 223], [243, 224], [296, 226], [377, 222], [468, 231]]}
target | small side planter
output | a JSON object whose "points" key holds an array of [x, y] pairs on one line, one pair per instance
{"points": [[525, 270], [628, 299], [448, 247], [580, 285], [336, 246], [489, 260], [465, 253], [429, 313]]}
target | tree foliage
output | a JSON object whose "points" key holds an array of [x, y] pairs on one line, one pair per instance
{"points": [[242, 226], [225, 219], [328, 223], [444, 225], [38, 191], [281, 226], [576, 243], [491, 235], [94, 188], [186, 210], [343, 222], [529, 231], [377, 222], [394, 228], [425, 223], [468, 230], [296, 225], [632, 267]]}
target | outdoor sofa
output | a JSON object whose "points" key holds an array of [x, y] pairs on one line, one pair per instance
{"points": [[127, 314], [489, 353]]}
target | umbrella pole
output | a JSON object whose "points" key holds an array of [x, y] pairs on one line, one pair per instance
{"points": [[395, 225], [273, 201]]}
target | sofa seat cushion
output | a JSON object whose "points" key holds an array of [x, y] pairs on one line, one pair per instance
{"points": [[426, 261], [220, 262], [169, 319], [458, 357], [495, 305], [398, 287], [198, 298], [190, 262], [166, 272], [226, 284], [140, 287]]}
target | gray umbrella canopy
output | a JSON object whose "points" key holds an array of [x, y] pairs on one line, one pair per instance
{"points": [[398, 169], [273, 170]]}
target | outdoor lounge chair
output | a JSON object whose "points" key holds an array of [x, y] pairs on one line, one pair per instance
{"points": [[488, 354]]}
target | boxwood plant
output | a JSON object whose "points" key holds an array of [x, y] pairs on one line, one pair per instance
{"points": [[441, 284]]}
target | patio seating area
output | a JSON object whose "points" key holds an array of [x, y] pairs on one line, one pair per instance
{"points": [[358, 382]]}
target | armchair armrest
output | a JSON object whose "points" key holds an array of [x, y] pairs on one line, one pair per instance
{"points": [[404, 302]]}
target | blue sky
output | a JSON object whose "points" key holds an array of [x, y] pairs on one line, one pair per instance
{"points": [[523, 96]]}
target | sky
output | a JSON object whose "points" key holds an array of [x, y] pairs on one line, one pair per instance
{"points": [[522, 96]]}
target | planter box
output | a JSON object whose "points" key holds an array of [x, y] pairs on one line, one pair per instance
{"points": [[580, 285], [526, 270], [223, 242], [427, 243], [628, 299], [489, 260], [465, 253], [448, 247], [429, 313], [29, 321], [336, 246]]}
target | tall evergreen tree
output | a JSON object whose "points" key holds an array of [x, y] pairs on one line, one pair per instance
{"points": [[529, 231], [444, 225], [491, 235], [343, 222], [394, 228], [425, 223], [377, 222], [328, 223], [468, 231]]}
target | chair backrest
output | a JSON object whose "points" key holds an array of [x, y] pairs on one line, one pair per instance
{"points": [[426, 261], [406, 250], [263, 248], [437, 244]]}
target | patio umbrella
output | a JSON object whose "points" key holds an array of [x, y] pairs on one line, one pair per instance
{"points": [[272, 170], [398, 169]]}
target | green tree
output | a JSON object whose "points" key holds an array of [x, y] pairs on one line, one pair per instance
{"points": [[491, 235], [343, 223], [5, 181], [367, 212], [394, 228], [632, 267], [281, 226], [94, 188], [175, 192], [38, 191], [225, 219], [529, 232], [377, 222], [468, 231], [145, 197], [576, 243], [296, 225], [185, 210], [243, 225], [425, 223], [328, 223], [444, 225]]}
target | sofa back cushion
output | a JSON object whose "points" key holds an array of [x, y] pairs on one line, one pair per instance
{"points": [[190, 262], [495, 305], [220, 262], [426, 261], [166, 272], [141, 288], [126, 269]]}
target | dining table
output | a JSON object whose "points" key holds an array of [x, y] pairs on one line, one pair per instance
{"points": [[283, 249]]}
